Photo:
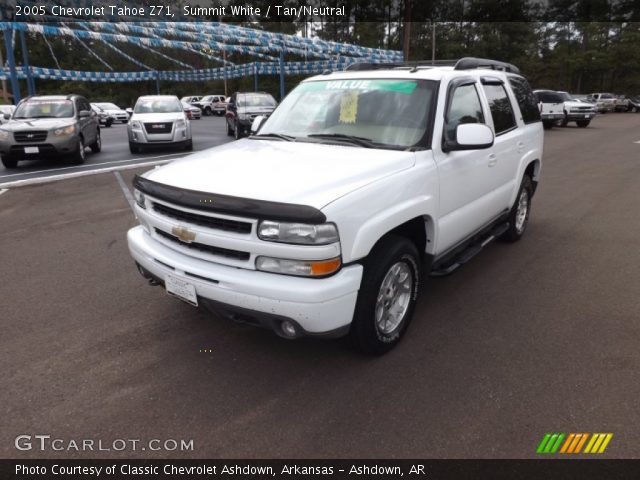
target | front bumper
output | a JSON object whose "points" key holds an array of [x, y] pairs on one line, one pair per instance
{"points": [[177, 135], [316, 306], [573, 116], [551, 116], [52, 146]]}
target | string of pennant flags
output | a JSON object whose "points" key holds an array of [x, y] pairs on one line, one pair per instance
{"points": [[229, 72], [214, 41]]}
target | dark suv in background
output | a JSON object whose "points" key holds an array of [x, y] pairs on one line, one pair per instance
{"points": [[50, 125], [244, 107]]}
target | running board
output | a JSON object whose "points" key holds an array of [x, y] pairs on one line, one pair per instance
{"points": [[447, 267]]}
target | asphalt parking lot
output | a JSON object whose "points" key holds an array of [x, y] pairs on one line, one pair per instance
{"points": [[528, 338], [207, 132]]}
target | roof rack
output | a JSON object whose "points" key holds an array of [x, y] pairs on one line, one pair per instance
{"points": [[470, 63], [466, 63]]}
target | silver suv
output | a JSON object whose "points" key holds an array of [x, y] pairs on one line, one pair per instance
{"points": [[49, 126], [159, 120]]}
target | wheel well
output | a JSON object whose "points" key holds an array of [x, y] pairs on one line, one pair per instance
{"points": [[533, 171], [414, 230]]}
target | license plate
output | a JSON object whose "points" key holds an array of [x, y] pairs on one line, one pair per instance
{"points": [[183, 290], [586, 116], [31, 150]]}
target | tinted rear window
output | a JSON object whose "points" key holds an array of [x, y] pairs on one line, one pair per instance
{"points": [[526, 100]]}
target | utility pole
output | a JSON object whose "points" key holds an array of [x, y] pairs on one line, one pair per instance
{"points": [[5, 96], [433, 43], [406, 31]]}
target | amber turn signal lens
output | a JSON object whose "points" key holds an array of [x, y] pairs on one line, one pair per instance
{"points": [[325, 267]]}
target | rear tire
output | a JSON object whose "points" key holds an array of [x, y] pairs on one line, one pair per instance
{"points": [[97, 145], [519, 214], [583, 123], [9, 162], [387, 296]]}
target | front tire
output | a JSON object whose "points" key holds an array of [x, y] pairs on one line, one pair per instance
{"points": [[583, 123], [207, 111], [9, 162], [519, 214], [387, 295], [237, 133], [548, 125], [133, 148], [79, 156], [229, 129], [188, 145]]}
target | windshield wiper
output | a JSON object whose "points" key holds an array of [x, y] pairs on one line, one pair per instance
{"points": [[281, 136], [361, 141]]}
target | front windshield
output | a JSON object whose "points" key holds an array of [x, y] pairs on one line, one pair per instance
{"points": [[41, 108], [566, 96], [156, 105], [391, 113], [108, 106], [255, 100]]}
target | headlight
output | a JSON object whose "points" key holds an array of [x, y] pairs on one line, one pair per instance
{"points": [[60, 132], [4, 135], [298, 233], [139, 196], [180, 124], [136, 125], [301, 268]]}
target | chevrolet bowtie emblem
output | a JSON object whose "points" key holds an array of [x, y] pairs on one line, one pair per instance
{"points": [[184, 234]]}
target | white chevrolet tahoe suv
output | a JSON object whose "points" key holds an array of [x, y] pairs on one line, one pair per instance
{"points": [[326, 221]]}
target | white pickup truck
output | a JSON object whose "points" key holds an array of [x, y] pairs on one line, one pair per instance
{"points": [[325, 222]]}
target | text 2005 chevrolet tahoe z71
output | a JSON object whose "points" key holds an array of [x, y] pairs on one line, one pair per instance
{"points": [[360, 183]]}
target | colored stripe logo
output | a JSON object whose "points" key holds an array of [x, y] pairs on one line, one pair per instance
{"points": [[573, 443]]}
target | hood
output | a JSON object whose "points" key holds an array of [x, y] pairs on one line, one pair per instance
{"points": [[37, 124], [113, 110], [158, 117], [291, 172]]}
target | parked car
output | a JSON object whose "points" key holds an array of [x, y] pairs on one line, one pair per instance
{"points": [[576, 111], [115, 111], [159, 120], [605, 102], [50, 126], [212, 104], [5, 113], [634, 104], [193, 112], [244, 107], [191, 99], [551, 106], [325, 226], [621, 104], [103, 117]]}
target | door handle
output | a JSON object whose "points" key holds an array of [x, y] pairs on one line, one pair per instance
{"points": [[492, 159]]}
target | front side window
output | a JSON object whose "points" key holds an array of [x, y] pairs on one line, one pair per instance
{"points": [[385, 113], [42, 108], [465, 107], [500, 107]]}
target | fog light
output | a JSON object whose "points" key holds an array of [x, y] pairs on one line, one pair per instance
{"points": [[288, 329]]}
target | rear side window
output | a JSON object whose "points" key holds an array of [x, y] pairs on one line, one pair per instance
{"points": [[526, 100], [500, 107]]}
